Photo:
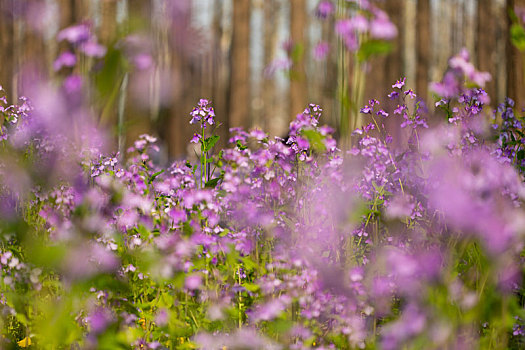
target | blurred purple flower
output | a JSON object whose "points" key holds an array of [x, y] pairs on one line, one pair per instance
{"points": [[268, 311], [193, 282], [277, 65], [143, 61], [93, 49], [411, 323], [345, 28], [72, 83], [99, 320], [66, 59], [325, 9], [75, 34], [321, 50], [383, 28]]}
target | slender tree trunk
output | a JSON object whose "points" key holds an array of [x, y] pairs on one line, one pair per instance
{"points": [[394, 68], [329, 79], [423, 45], [6, 47], [136, 118], [108, 28], [184, 76], [515, 61], [268, 91], [385, 70], [239, 100], [298, 90], [107, 34], [394, 65], [486, 44], [220, 75]]}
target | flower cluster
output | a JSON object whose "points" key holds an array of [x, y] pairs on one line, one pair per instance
{"points": [[270, 243], [203, 113]]}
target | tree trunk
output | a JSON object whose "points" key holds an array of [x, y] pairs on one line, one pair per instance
{"points": [[515, 61], [394, 67], [183, 82], [268, 91], [298, 91], [108, 28], [486, 44], [6, 47], [423, 45], [239, 100], [220, 75]]}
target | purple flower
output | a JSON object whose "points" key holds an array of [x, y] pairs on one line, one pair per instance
{"points": [[448, 87], [366, 110], [382, 113], [143, 61], [162, 318], [345, 29], [177, 215], [277, 65], [75, 34], [203, 113], [93, 49], [393, 95], [66, 59], [268, 311], [99, 320], [193, 282], [321, 50], [411, 323], [325, 9], [410, 93], [72, 84], [382, 28], [399, 84]]}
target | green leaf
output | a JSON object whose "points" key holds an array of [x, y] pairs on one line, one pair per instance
{"points": [[241, 146], [517, 36], [297, 52], [212, 183], [154, 176], [280, 326], [372, 48], [209, 142], [315, 139], [252, 287], [166, 300]]}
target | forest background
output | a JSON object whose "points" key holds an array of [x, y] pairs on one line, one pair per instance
{"points": [[259, 61]]}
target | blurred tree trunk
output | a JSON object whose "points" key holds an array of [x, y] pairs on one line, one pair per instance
{"points": [[386, 70], [33, 64], [67, 13], [136, 116], [515, 61], [6, 47], [220, 74], [183, 78], [107, 34], [81, 10], [268, 90], [486, 44], [108, 27], [239, 100], [394, 67], [298, 90], [329, 78], [423, 47]]}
